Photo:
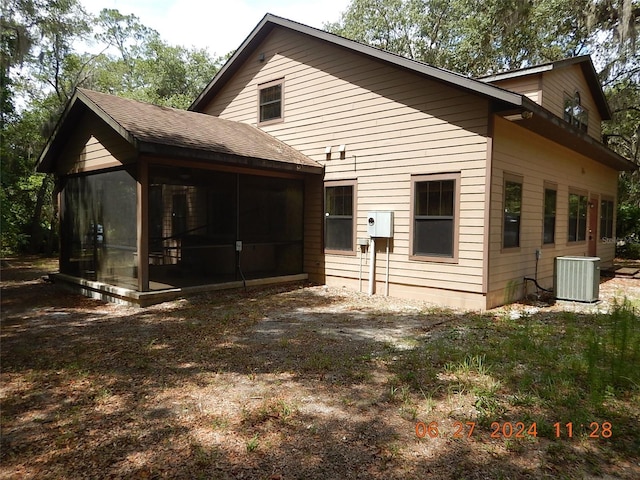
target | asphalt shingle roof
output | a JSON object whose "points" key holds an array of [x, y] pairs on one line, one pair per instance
{"points": [[146, 124], [182, 128]]}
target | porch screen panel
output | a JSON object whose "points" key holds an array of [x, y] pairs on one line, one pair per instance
{"points": [[270, 225], [192, 230], [98, 224]]}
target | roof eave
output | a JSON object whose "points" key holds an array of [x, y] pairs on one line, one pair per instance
{"points": [[588, 70], [541, 121], [43, 164], [173, 151], [78, 99]]}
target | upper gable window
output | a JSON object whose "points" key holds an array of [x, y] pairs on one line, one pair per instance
{"points": [[270, 101], [575, 113]]}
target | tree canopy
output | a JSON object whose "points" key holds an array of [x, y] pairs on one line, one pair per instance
{"points": [[50, 47]]}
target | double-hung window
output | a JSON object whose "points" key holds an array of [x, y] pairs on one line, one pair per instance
{"points": [[435, 213], [270, 101], [339, 226]]}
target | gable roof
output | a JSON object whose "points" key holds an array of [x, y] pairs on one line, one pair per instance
{"points": [[588, 70], [269, 22], [504, 101], [153, 129]]}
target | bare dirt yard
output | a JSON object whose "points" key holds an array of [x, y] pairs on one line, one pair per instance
{"points": [[310, 382]]}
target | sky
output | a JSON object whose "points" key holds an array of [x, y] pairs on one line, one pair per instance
{"points": [[220, 26]]}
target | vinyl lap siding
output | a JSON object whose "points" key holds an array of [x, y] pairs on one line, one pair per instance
{"points": [[394, 125], [556, 84], [538, 161], [94, 147], [530, 86]]}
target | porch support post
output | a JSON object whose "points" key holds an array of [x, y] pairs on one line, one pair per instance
{"points": [[142, 213]]}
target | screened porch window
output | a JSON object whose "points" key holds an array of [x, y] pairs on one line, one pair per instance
{"points": [[435, 199], [339, 225], [98, 228], [197, 216]]}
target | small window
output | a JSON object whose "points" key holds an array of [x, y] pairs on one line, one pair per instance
{"points": [[434, 216], [606, 219], [577, 217], [550, 200], [338, 223], [575, 113], [270, 101], [512, 212]]}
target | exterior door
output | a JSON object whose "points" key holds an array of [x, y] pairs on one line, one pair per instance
{"points": [[592, 234]]}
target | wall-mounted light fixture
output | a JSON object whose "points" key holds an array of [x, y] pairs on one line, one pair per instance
{"points": [[327, 152], [343, 151], [261, 57]]}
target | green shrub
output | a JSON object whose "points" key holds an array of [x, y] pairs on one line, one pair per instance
{"points": [[629, 250]]}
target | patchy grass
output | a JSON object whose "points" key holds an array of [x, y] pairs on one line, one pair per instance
{"points": [[313, 382]]}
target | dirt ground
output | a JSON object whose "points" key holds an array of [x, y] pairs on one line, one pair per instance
{"points": [[275, 383]]}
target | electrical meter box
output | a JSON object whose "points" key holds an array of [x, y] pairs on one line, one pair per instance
{"points": [[380, 224]]}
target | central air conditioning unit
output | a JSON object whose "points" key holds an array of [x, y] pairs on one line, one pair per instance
{"points": [[578, 279]]}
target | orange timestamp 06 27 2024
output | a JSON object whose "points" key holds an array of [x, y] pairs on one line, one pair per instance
{"points": [[511, 430]]}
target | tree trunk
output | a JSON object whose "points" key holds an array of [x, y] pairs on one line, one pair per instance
{"points": [[35, 242]]}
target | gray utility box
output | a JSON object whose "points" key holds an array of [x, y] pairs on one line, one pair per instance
{"points": [[578, 279], [380, 224]]}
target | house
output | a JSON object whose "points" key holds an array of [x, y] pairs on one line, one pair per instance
{"points": [[301, 140]]}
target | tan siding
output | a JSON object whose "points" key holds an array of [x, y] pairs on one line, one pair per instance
{"points": [[529, 85], [538, 161], [558, 83], [313, 255], [94, 146], [394, 125]]}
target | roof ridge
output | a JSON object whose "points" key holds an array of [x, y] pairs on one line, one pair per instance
{"points": [[270, 21]]}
